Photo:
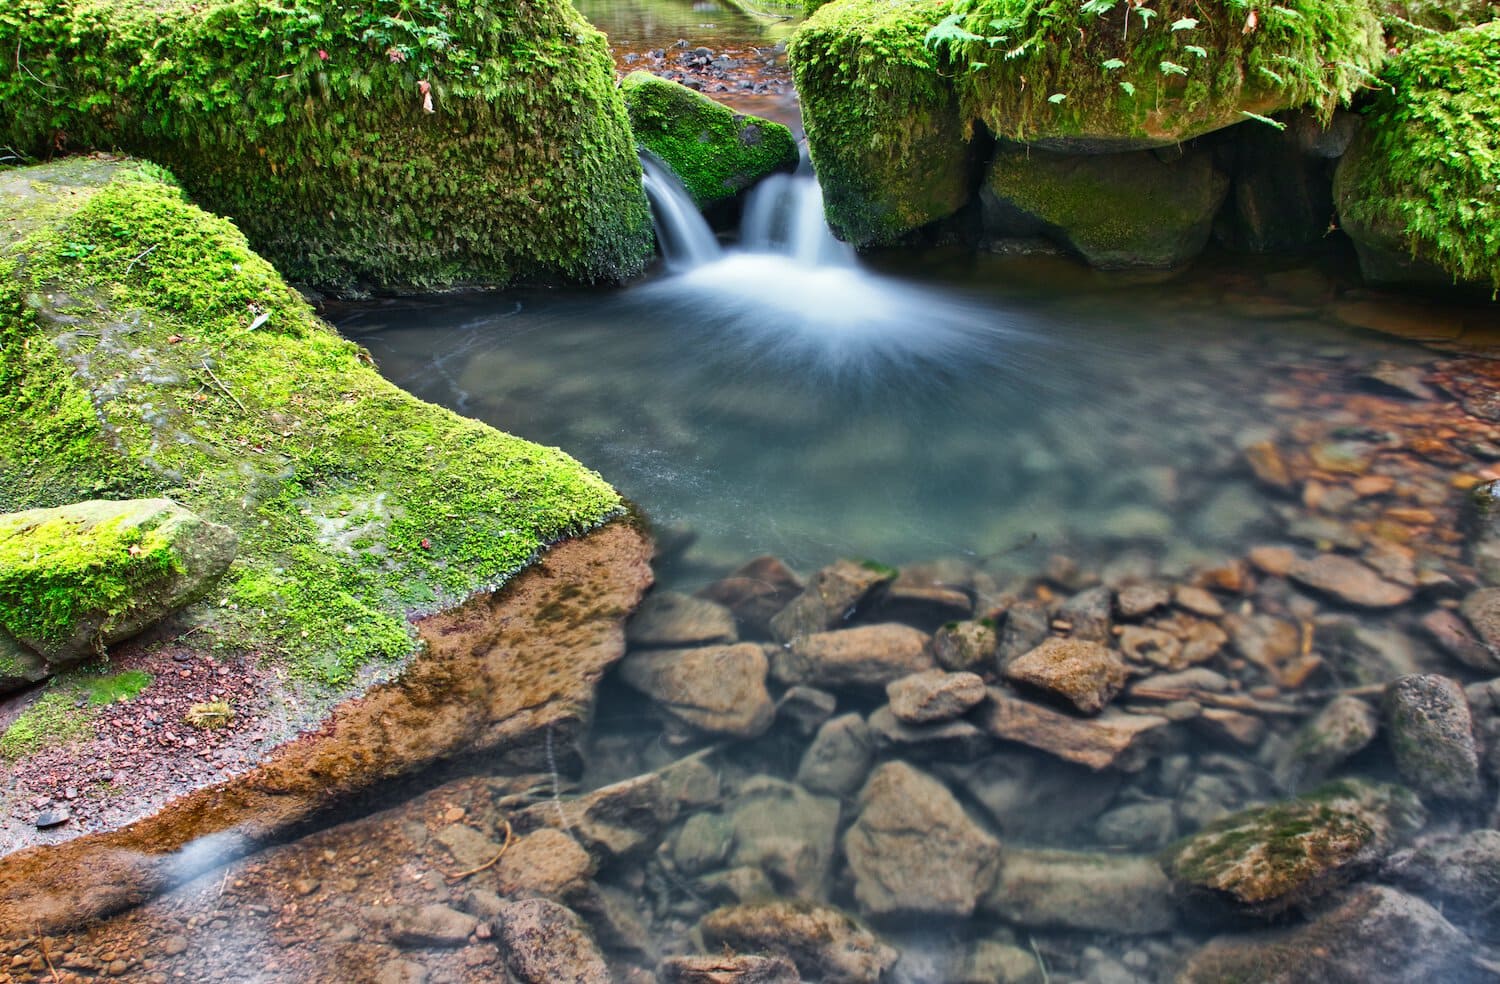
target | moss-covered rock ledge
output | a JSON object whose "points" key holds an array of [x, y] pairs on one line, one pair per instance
{"points": [[415, 145], [146, 351]]}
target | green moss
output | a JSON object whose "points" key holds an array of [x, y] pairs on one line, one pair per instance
{"points": [[50, 572], [883, 126], [715, 152], [1428, 161], [66, 711], [166, 358], [304, 121], [1107, 70]]}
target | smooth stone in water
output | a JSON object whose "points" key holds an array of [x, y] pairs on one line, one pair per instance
{"points": [[1267, 859], [1431, 733], [667, 619], [867, 657], [914, 851], [1138, 826], [755, 593], [1114, 738], [806, 708], [1140, 600], [1454, 637], [731, 968], [1461, 872], [1342, 729], [1107, 893], [1155, 647], [719, 690], [1349, 581], [701, 843], [834, 596], [941, 741], [431, 925], [1482, 611], [933, 695], [1032, 796], [839, 758], [545, 943], [612, 821], [545, 863], [787, 832], [1376, 935], [1086, 674], [825, 943], [1026, 625], [1088, 614], [965, 646]]}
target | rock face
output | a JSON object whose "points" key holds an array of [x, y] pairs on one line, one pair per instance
{"points": [[1281, 198], [719, 690], [1085, 674], [835, 594], [867, 657], [545, 943], [1409, 208], [883, 126], [1115, 210], [933, 695], [421, 135], [1431, 732], [1104, 893], [914, 851], [1377, 935], [1266, 859], [77, 578], [824, 943], [714, 151]]}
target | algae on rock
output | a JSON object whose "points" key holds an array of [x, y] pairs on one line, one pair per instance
{"points": [[440, 144], [715, 152], [146, 351], [883, 125]]}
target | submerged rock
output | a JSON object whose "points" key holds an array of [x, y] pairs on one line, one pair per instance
{"points": [[1110, 739], [966, 647], [545, 863], [825, 943], [545, 943], [1106, 893], [932, 696], [1431, 733], [714, 151], [431, 925], [1086, 674], [1343, 728], [867, 657], [719, 690], [834, 596], [667, 619], [1454, 636], [1459, 871], [1349, 581], [610, 822], [734, 968], [1025, 628], [755, 593], [786, 832], [77, 578], [1376, 935], [954, 740], [914, 851], [1264, 860], [839, 757], [1117, 211]]}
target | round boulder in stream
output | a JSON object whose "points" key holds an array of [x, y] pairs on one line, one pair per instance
{"points": [[914, 850], [720, 690], [1431, 732]]}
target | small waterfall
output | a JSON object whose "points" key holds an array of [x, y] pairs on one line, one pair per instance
{"points": [[784, 214], [685, 239]]}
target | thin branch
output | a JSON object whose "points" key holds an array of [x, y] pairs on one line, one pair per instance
{"points": [[509, 834], [220, 383], [138, 257]]}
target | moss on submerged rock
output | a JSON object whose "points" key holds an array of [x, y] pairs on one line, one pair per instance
{"points": [[883, 124], [1115, 210], [306, 124], [1419, 191], [1113, 75], [715, 152], [145, 350]]}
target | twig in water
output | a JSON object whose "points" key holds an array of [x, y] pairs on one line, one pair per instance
{"points": [[41, 942], [138, 257], [1040, 961], [220, 383], [1221, 700], [491, 862]]}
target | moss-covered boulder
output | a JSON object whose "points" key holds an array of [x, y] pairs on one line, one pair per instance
{"points": [[1112, 75], [146, 351], [883, 126], [1419, 191], [1136, 209], [415, 145], [1264, 860], [75, 578], [715, 152]]}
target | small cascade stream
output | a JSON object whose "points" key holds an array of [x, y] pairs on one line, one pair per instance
{"points": [[684, 237]]}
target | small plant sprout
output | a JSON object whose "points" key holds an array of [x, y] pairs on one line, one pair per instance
{"points": [[1184, 24], [1277, 124], [210, 715], [1057, 97], [1113, 64]]}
